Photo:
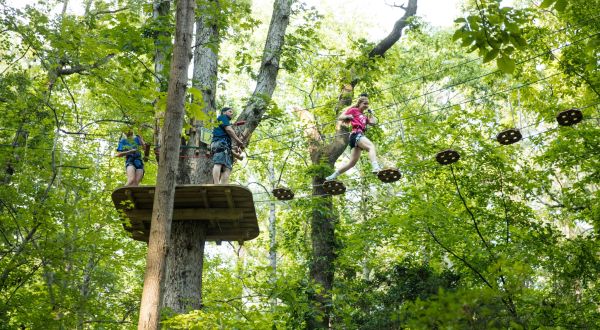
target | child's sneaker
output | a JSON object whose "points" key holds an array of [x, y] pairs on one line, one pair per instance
{"points": [[332, 176], [376, 168]]}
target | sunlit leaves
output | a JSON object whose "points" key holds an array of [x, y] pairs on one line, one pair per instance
{"points": [[495, 32]]}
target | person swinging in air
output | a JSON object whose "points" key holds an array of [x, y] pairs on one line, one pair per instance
{"points": [[130, 147], [358, 142]]}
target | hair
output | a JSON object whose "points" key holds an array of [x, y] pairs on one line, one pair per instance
{"points": [[225, 110], [361, 100], [364, 94]]}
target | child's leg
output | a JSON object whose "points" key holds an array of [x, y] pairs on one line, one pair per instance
{"points": [[365, 144], [354, 156], [225, 176], [130, 170], [217, 173]]}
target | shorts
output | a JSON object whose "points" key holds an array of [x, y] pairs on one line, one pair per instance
{"points": [[135, 162], [221, 150], [353, 141]]}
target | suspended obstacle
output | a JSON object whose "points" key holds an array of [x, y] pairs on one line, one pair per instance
{"points": [[283, 193], [389, 174], [334, 187], [509, 136], [227, 211], [447, 157], [569, 117]]}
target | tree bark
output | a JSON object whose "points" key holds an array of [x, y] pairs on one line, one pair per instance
{"points": [[162, 45], [183, 285], [184, 265], [162, 212], [269, 68], [196, 168]]}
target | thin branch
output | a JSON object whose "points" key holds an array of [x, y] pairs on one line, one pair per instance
{"points": [[74, 166], [102, 12], [83, 68], [72, 98], [471, 267], [17, 60], [469, 210], [506, 218]]}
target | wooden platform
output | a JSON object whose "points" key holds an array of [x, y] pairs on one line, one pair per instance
{"points": [[227, 210]]}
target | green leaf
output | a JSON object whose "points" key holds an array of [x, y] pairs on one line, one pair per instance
{"points": [[491, 55], [505, 64], [458, 34], [547, 3], [560, 5]]}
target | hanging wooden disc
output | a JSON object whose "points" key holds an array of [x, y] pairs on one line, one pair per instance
{"points": [[389, 175], [569, 117], [447, 157], [509, 136], [334, 187], [283, 193]]}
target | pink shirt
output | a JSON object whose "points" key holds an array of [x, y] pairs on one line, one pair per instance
{"points": [[359, 120]]}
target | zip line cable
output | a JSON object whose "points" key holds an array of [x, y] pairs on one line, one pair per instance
{"points": [[389, 105], [435, 91], [293, 141]]}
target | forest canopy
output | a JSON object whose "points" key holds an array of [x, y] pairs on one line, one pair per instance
{"points": [[506, 237]]}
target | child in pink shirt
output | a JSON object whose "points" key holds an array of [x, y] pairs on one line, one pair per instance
{"points": [[357, 141]]}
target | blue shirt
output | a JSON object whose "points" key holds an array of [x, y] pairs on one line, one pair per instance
{"points": [[126, 144], [219, 131]]}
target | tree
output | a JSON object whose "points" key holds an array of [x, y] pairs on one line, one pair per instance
{"points": [[184, 292], [162, 212], [323, 218]]}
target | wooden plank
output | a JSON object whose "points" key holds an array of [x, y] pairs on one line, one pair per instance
{"points": [[229, 198], [191, 214], [232, 205], [227, 210]]}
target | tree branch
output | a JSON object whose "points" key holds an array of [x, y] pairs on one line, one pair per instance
{"points": [[471, 267], [475, 224], [81, 68], [396, 33]]}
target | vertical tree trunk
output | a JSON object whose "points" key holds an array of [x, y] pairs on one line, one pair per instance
{"points": [[321, 267], [196, 168], [272, 236], [183, 285], [162, 45], [184, 265], [162, 212]]}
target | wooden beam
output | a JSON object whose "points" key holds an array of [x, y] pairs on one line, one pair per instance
{"points": [[229, 198], [130, 198], [191, 214], [204, 199], [236, 222]]}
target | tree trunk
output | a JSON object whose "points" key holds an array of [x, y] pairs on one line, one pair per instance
{"points": [[162, 212], [162, 45], [184, 265], [323, 223], [269, 68], [321, 267], [196, 168]]}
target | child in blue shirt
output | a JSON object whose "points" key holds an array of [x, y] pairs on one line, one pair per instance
{"points": [[130, 147]]}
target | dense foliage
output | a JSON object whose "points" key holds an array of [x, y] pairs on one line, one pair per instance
{"points": [[505, 238]]}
